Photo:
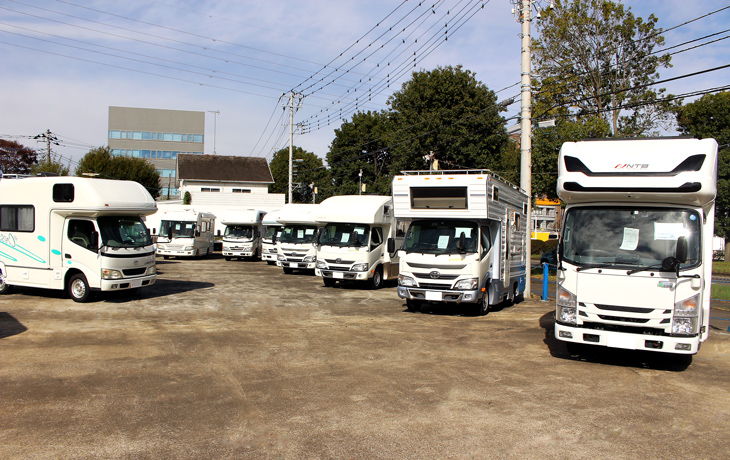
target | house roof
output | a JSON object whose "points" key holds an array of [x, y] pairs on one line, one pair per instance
{"points": [[223, 168]]}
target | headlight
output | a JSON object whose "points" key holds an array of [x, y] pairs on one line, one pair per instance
{"points": [[467, 285], [566, 311], [684, 326], [689, 307], [111, 274], [152, 270], [309, 259], [684, 321], [406, 281], [360, 267], [189, 248], [321, 264], [281, 257]]}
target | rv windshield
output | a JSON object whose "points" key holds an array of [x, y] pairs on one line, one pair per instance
{"points": [[270, 231], [626, 236], [180, 229], [441, 237], [238, 231], [123, 232], [345, 235], [298, 234]]}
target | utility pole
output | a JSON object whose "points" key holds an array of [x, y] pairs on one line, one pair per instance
{"points": [[292, 105], [526, 134], [49, 138], [215, 126]]}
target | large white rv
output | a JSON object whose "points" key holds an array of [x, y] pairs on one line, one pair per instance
{"points": [[465, 241], [75, 233], [296, 246], [243, 232], [352, 242], [185, 232], [635, 250], [271, 231]]}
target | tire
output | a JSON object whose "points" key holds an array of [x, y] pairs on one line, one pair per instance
{"points": [[481, 308], [413, 306], [5, 288], [329, 282], [78, 288], [376, 282], [288, 270]]}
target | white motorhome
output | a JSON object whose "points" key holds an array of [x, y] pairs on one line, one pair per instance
{"points": [[296, 246], [271, 231], [242, 234], [352, 242], [185, 232], [465, 241], [75, 233], [635, 250]]}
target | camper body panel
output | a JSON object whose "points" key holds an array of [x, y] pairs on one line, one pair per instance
{"points": [[56, 227], [271, 231], [353, 239], [242, 234], [296, 246], [475, 208], [620, 227], [185, 232]]}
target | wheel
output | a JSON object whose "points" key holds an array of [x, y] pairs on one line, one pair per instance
{"points": [[481, 308], [376, 282], [5, 288], [78, 288], [227, 258], [329, 282], [288, 271], [413, 305]]}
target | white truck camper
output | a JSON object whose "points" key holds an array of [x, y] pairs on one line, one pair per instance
{"points": [[185, 232], [296, 246], [352, 241], [75, 233], [635, 250], [465, 241], [242, 234], [271, 231]]}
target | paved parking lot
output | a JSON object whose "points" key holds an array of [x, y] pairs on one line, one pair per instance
{"points": [[237, 360]]}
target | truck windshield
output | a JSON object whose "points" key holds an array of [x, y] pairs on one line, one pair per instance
{"points": [[180, 229], [629, 236], [270, 231], [238, 231], [123, 232], [298, 234], [345, 235], [441, 237]]}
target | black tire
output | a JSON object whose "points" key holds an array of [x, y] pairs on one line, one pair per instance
{"points": [[376, 282], [481, 308], [5, 288], [78, 288], [288, 270], [413, 305], [329, 282]]}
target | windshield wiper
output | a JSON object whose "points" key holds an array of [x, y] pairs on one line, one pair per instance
{"points": [[603, 265], [645, 268]]}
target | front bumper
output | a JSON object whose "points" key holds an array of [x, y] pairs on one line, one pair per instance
{"points": [[628, 341], [299, 265], [245, 252], [417, 293], [127, 283], [174, 252], [342, 275]]}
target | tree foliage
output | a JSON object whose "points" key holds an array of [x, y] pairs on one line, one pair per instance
{"points": [[50, 165], [709, 117], [101, 162], [16, 158], [307, 174], [597, 58]]}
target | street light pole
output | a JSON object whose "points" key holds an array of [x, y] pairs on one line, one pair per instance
{"points": [[215, 126], [525, 135]]}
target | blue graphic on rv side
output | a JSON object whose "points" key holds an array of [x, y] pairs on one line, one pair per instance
{"points": [[8, 239]]}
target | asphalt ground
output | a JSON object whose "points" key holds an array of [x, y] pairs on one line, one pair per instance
{"points": [[237, 360]]}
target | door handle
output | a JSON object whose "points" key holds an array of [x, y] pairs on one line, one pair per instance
{"points": [[67, 256]]}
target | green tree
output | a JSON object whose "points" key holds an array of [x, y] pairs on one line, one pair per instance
{"points": [[187, 198], [597, 58], [709, 116], [448, 112], [100, 162], [16, 158], [307, 174], [50, 165]]}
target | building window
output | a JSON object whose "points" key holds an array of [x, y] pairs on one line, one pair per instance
{"points": [[177, 137], [241, 190], [114, 134], [209, 189], [166, 136], [146, 135], [197, 138]]}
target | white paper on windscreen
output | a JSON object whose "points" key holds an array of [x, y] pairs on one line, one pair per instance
{"points": [[443, 241], [631, 239], [668, 230], [345, 238]]}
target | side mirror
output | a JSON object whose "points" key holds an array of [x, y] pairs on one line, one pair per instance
{"points": [[682, 249], [391, 245], [273, 238], [94, 241], [197, 232], [154, 231], [219, 233], [461, 244], [169, 233]]}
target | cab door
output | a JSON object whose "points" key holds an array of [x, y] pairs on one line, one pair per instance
{"points": [[80, 248]]}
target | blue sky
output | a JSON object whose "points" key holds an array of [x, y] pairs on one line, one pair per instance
{"points": [[66, 61]]}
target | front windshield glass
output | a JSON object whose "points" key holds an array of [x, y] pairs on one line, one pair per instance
{"points": [[270, 230], [441, 237], [123, 232], [179, 229], [344, 235], [298, 234], [238, 231], [629, 236]]}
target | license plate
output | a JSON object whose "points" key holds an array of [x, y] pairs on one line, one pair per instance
{"points": [[430, 295], [293, 265], [338, 275], [618, 341]]}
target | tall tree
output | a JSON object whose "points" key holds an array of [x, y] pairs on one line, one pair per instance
{"points": [[16, 158], [307, 174], [709, 116], [100, 162], [596, 57], [51, 165]]}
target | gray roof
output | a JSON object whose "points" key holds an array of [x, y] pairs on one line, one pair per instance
{"points": [[223, 168]]}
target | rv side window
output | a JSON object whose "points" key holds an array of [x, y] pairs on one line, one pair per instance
{"points": [[63, 193], [438, 198], [495, 193], [20, 218]]}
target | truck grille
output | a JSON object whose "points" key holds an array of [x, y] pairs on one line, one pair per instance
{"points": [[134, 271]]}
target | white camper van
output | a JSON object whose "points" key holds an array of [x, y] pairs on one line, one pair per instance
{"points": [[242, 235], [352, 242], [74, 233], [635, 250], [465, 241], [271, 231], [296, 246], [185, 232]]}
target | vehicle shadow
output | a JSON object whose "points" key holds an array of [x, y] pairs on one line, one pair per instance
{"points": [[10, 326], [464, 309], [161, 288], [639, 359]]}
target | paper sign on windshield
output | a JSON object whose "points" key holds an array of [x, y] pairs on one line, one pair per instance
{"points": [[631, 239], [668, 230]]}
